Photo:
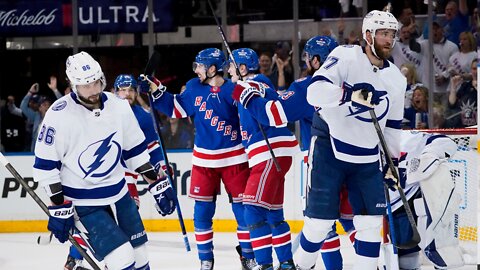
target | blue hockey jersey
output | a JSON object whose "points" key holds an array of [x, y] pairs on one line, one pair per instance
{"points": [[280, 138], [217, 140]]}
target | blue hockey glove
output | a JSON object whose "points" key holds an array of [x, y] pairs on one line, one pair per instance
{"points": [[361, 95], [245, 91], [61, 221], [150, 84], [389, 179], [164, 196]]}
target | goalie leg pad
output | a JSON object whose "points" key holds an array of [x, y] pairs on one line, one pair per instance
{"points": [[121, 258], [314, 233], [367, 241]]}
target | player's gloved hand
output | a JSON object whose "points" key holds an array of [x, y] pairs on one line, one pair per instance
{"points": [[361, 95], [244, 91], [164, 196], [60, 221], [388, 178], [133, 191], [150, 84]]}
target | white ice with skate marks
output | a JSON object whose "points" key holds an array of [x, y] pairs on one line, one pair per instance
{"points": [[20, 251]]}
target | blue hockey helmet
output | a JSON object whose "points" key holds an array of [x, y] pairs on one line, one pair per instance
{"points": [[247, 57], [319, 45], [210, 57], [125, 80]]}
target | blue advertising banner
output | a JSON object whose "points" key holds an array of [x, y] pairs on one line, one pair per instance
{"points": [[48, 18]]}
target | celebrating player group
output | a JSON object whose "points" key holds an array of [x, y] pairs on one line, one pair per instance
{"points": [[94, 145]]}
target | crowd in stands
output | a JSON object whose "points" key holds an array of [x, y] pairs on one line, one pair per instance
{"points": [[454, 89]]}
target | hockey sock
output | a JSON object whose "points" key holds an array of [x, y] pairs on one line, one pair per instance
{"points": [[367, 241], [243, 234], [332, 258], [202, 221], [281, 238], [313, 233], [260, 233]]}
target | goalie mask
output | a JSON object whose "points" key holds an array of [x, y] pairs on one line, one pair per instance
{"points": [[82, 69], [376, 20]]}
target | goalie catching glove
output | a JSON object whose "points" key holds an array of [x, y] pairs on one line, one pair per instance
{"points": [[245, 91], [151, 85], [60, 221], [164, 196]]}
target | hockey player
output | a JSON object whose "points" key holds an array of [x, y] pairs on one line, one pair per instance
{"points": [[429, 188], [78, 155], [263, 196], [125, 87], [344, 148], [218, 153], [293, 106]]}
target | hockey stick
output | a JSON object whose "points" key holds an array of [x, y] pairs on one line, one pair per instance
{"points": [[42, 205], [224, 39], [150, 70], [416, 236], [390, 250]]}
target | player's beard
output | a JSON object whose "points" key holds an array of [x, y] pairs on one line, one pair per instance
{"points": [[91, 100], [381, 53]]}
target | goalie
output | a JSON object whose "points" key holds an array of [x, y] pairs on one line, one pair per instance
{"points": [[430, 188]]}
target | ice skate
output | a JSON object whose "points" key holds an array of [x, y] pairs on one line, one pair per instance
{"points": [[73, 264]]}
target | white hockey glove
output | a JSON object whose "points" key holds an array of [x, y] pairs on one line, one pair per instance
{"points": [[361, 95], [245, 91], [150, 84]]}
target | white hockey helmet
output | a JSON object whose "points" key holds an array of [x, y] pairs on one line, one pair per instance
{"points": [[82, 69], [375, 20]]}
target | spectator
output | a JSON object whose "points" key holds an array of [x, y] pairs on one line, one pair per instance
{"points": [[402, 53], [13, 128], [460, 62], [352, 39], [417, 115], [53, 86], [456, 16], [282, 69], [408, 70], [265, 62], [177, 134], [476, 25], [462, 100]]}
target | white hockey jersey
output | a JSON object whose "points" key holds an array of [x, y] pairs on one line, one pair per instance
{"points": [[82, 149], [352, 134], [413, 145]]}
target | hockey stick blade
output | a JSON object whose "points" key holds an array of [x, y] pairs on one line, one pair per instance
{"points": [[44, 240]]}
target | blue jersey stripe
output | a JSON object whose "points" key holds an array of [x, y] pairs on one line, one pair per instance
{"points": [[135, 151], [354, 150], [396, 124], [367, 249], [47, 165], [94, 193]]}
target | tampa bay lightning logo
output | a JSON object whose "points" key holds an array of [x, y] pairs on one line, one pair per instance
{"points": [[100, 157], [60, 106], [355, 111]]}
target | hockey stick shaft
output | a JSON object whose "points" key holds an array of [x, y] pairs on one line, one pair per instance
{"points": [[42, 205], [416, 236], [149, 70], [225, 42]]}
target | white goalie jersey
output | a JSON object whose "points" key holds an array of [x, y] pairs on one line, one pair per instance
{"points": [[83, 149]]}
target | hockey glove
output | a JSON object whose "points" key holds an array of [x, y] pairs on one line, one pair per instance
{"points": [[361, 95], [150, 84], [388, 178], [245, 91], [164, 196], [60, 221]]}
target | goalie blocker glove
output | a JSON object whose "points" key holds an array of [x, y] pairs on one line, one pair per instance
{"points": [[164, 196], [150, 84], [60, 221], [245, 91]]}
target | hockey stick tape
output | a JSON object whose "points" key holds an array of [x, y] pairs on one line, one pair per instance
{"points": [[3, 160]]}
